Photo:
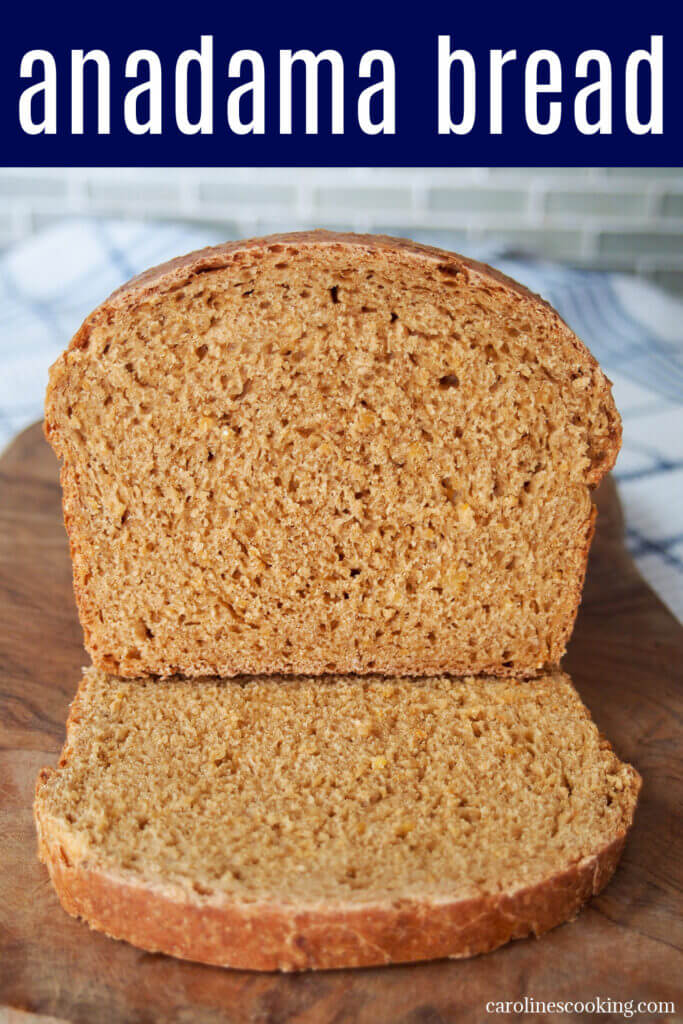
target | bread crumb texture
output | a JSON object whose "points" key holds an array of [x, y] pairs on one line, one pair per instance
{"points": [[328, 454], [302, 793]]}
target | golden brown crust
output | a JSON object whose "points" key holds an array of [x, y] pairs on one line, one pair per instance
{"points": [[275, 937], [168, 275]]}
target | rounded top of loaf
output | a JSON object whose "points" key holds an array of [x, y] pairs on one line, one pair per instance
{"points": [[397, 252], [175, 271]]}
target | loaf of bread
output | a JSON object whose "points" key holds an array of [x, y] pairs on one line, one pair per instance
{"points": [[328, 453], [301, 823]]}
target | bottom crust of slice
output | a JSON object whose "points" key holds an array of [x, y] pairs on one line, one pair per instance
{"points": [[270, 937]]}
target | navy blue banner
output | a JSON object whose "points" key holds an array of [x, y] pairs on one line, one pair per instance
{"points": [[374, 84]]}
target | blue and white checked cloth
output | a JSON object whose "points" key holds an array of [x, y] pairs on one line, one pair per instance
{"points": [[49, 283]]}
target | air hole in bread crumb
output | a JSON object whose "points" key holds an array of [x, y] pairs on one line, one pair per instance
{"points": [[449, 380], [201, 890], [334, 293]]}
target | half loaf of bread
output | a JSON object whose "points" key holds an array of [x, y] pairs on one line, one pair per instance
{"points": [[328, 453], [318, 823]]}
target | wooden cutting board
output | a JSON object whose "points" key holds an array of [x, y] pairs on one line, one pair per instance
{"points": [[625, 658]]}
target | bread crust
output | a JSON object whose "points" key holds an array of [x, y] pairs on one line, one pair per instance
{"points": [[269, 937]]}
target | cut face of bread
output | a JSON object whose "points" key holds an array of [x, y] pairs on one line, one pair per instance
{"points": [[317, 823], [326, 453]]}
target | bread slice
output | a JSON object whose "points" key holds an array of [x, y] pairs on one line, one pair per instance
{"points": [[306, 823], [328, 453]]}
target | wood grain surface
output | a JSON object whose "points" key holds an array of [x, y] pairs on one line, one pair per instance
{"points": [[625, 658]]}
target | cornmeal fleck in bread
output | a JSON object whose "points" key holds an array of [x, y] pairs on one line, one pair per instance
{"points": [[299, 822], [321, 453]]}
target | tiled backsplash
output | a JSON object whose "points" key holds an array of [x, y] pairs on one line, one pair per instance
{"points": [[629, 219]]}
